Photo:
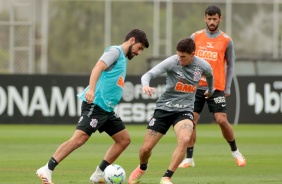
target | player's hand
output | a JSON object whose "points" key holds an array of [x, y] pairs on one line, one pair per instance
{"points": [[89, 96], [226, 94], [207, 94], [148, 90]]}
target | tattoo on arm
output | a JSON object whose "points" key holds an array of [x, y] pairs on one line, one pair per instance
{"points": [[152, 133]]}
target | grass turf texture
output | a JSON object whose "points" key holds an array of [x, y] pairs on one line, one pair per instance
{"points": [[25, 148]]}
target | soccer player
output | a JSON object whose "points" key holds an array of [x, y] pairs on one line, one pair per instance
{"points": [[97, 110], [216, 47], [175, 106]]}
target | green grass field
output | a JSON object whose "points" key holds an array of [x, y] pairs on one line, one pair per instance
{"points": [[25, 148]]}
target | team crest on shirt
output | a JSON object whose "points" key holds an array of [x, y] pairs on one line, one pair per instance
{"points": [[197, 74], [93, 123]]}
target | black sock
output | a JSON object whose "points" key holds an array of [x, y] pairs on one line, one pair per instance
{"points": [[143, 167], [52, 164], [103, 165], [189, 152], [168, 173], [232, 145]]}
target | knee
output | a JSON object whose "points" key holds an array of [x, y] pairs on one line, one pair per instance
{"points": [[184, 141], [145, 150], [78, 142], [125, 142], [222, 122]]}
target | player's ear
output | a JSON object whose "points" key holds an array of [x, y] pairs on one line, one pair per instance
{"points": [[132, 40]]}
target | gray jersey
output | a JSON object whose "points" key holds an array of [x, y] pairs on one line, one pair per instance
{"points": [[181, 82]]}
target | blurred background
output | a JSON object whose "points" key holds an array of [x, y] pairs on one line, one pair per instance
{"points": [[69, 36]]}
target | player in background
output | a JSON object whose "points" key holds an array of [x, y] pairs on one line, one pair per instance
{"points": [[216, 47], [97, 110], [175, 106]]}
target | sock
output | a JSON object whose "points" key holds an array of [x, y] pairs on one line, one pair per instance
{"points": [[103, 165], [189, 152], [52, 164], [143, 167], [168, 173], [232, 145]]}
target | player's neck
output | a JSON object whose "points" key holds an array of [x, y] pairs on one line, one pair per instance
{"points": [[212, 32]]}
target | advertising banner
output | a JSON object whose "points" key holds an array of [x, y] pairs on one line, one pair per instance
{"points": [[51, 99]]}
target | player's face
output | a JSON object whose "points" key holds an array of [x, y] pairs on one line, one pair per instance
{"points": [[212, 22], [185, 58], [134, 50]]}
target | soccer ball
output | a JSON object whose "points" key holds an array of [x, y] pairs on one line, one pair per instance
{"points": [[114, 174]]}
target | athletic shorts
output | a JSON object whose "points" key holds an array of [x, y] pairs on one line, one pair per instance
{"points": [[216, 103], [95, 118], [162, 120]]}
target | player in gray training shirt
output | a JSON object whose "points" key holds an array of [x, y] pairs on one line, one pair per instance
{"points": [[175, 106]]}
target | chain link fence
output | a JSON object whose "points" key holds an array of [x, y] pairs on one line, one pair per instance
{"points": [[16, 40]]}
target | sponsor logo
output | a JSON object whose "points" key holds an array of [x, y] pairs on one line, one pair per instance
{"points": [[186, 88], [80, 119], [209, 45], [270, 102], [220, 99], [120, 82], [170, 104], [189, 115], [207, 55]]}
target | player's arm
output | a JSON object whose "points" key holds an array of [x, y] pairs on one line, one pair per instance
{"points": [[156, 71], [210, 81], [230, 60], [106, 60], [95, 74]]}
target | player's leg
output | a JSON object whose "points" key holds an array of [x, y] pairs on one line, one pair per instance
{"points": [[156, 128], [81, 135], [183, 130], [217, 105], [115, 128], [78, 139], [152, 137], [198, 107]]}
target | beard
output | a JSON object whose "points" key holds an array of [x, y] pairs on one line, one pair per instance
{"points": [[212, 29], [130, 54]]}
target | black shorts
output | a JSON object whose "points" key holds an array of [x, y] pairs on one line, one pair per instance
{"points": [[162, 120], [95, 118], [216, 103]]}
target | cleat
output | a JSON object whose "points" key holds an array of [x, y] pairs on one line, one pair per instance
{"points": [[135, 176], [240, 160], [165, 180], [45, 175], [97, 176], [187, 162]]}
